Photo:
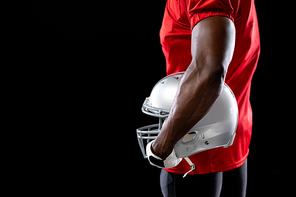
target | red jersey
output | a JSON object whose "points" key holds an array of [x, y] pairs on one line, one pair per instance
{"points": [[179, 19]]}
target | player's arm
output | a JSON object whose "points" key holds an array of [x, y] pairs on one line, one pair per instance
{"points": [[212, 47]]}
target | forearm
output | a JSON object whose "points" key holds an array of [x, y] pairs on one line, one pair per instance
{"points": [[197, 92]]}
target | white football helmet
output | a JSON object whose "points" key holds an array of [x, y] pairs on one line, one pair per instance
{"points": [[216, 129]]}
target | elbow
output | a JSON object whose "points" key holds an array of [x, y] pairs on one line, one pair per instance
{"points": [[207, 76], [215, 77], [218, 75], [210, 71]]}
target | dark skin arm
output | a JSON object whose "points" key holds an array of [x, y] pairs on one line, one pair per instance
{"points": [[212, 47]]}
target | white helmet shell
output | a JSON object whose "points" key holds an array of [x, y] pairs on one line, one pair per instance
{"points": [[216, 129], [162, 96]]}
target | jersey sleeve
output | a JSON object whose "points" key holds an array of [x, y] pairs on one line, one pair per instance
{"points": [[201, 9]]}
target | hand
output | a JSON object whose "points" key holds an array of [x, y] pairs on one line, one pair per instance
{"points": [[171, 161], [161, 148]]}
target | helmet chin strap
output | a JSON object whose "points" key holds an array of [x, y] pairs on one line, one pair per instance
{"points": [[192, 166]]}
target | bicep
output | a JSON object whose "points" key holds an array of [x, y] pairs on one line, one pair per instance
{"points": [[213, 41]]}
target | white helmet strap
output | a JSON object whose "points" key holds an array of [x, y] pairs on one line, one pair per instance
{"points": [[192, 166]]}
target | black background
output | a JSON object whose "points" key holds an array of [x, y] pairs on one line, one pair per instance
{"points": [[75, 74]]}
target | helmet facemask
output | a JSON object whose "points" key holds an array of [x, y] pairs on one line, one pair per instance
{"points": [[148, 133]]}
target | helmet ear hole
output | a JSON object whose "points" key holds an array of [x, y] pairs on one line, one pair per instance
{"points": [[189, 137]]}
